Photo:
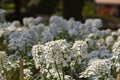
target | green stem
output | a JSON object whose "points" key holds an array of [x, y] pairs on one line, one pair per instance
{"points": [[37, 77], [57, 70], [50, 73], [76, 61], [43, 77], [21, 70], [71, 71], [63, 72]]}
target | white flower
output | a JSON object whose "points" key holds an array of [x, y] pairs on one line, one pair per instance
{"points": [[68, 77], [116, 55], [56, 50], [2, 32], [38, 20], [25, 21], [51, 52], [31, 22], [98, 68], [108, 32], [91, 35], [118, 31], [3, 55], [80, 48], [114, 34], [109, 40], [90, 43], [27, 72], [118, 38], [97, 23], [38, 53], [100, 42], [14, 25]]}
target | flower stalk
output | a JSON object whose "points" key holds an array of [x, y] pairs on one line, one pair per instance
{"points": [[21, 70]]}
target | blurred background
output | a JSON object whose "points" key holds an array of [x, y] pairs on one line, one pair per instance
{"points": [[107, 10]]}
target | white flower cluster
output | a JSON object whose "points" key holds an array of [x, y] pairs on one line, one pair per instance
{"points": [[3, 55], [27, 73], [54, 51], [38, 55], [52, 56], [98, 69], [116, 55], [80, 48], [30, 21]]}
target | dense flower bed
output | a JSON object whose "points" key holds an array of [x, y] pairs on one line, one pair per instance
{"points": [[59, 50]]}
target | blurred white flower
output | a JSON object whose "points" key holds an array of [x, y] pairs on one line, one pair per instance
{"points": [[3, 55], [91, 43], [27, 73], [97, 23], [108, 32], [14, 25], [118, 31], [98, 68], [118, 38], [30, 22], [2, 32], [116, 55], [38, 20], [109, 40], [100, 42], [114, 34]]}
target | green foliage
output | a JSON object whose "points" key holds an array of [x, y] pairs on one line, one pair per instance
{"points": [[2, 46], [88, 10]]}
